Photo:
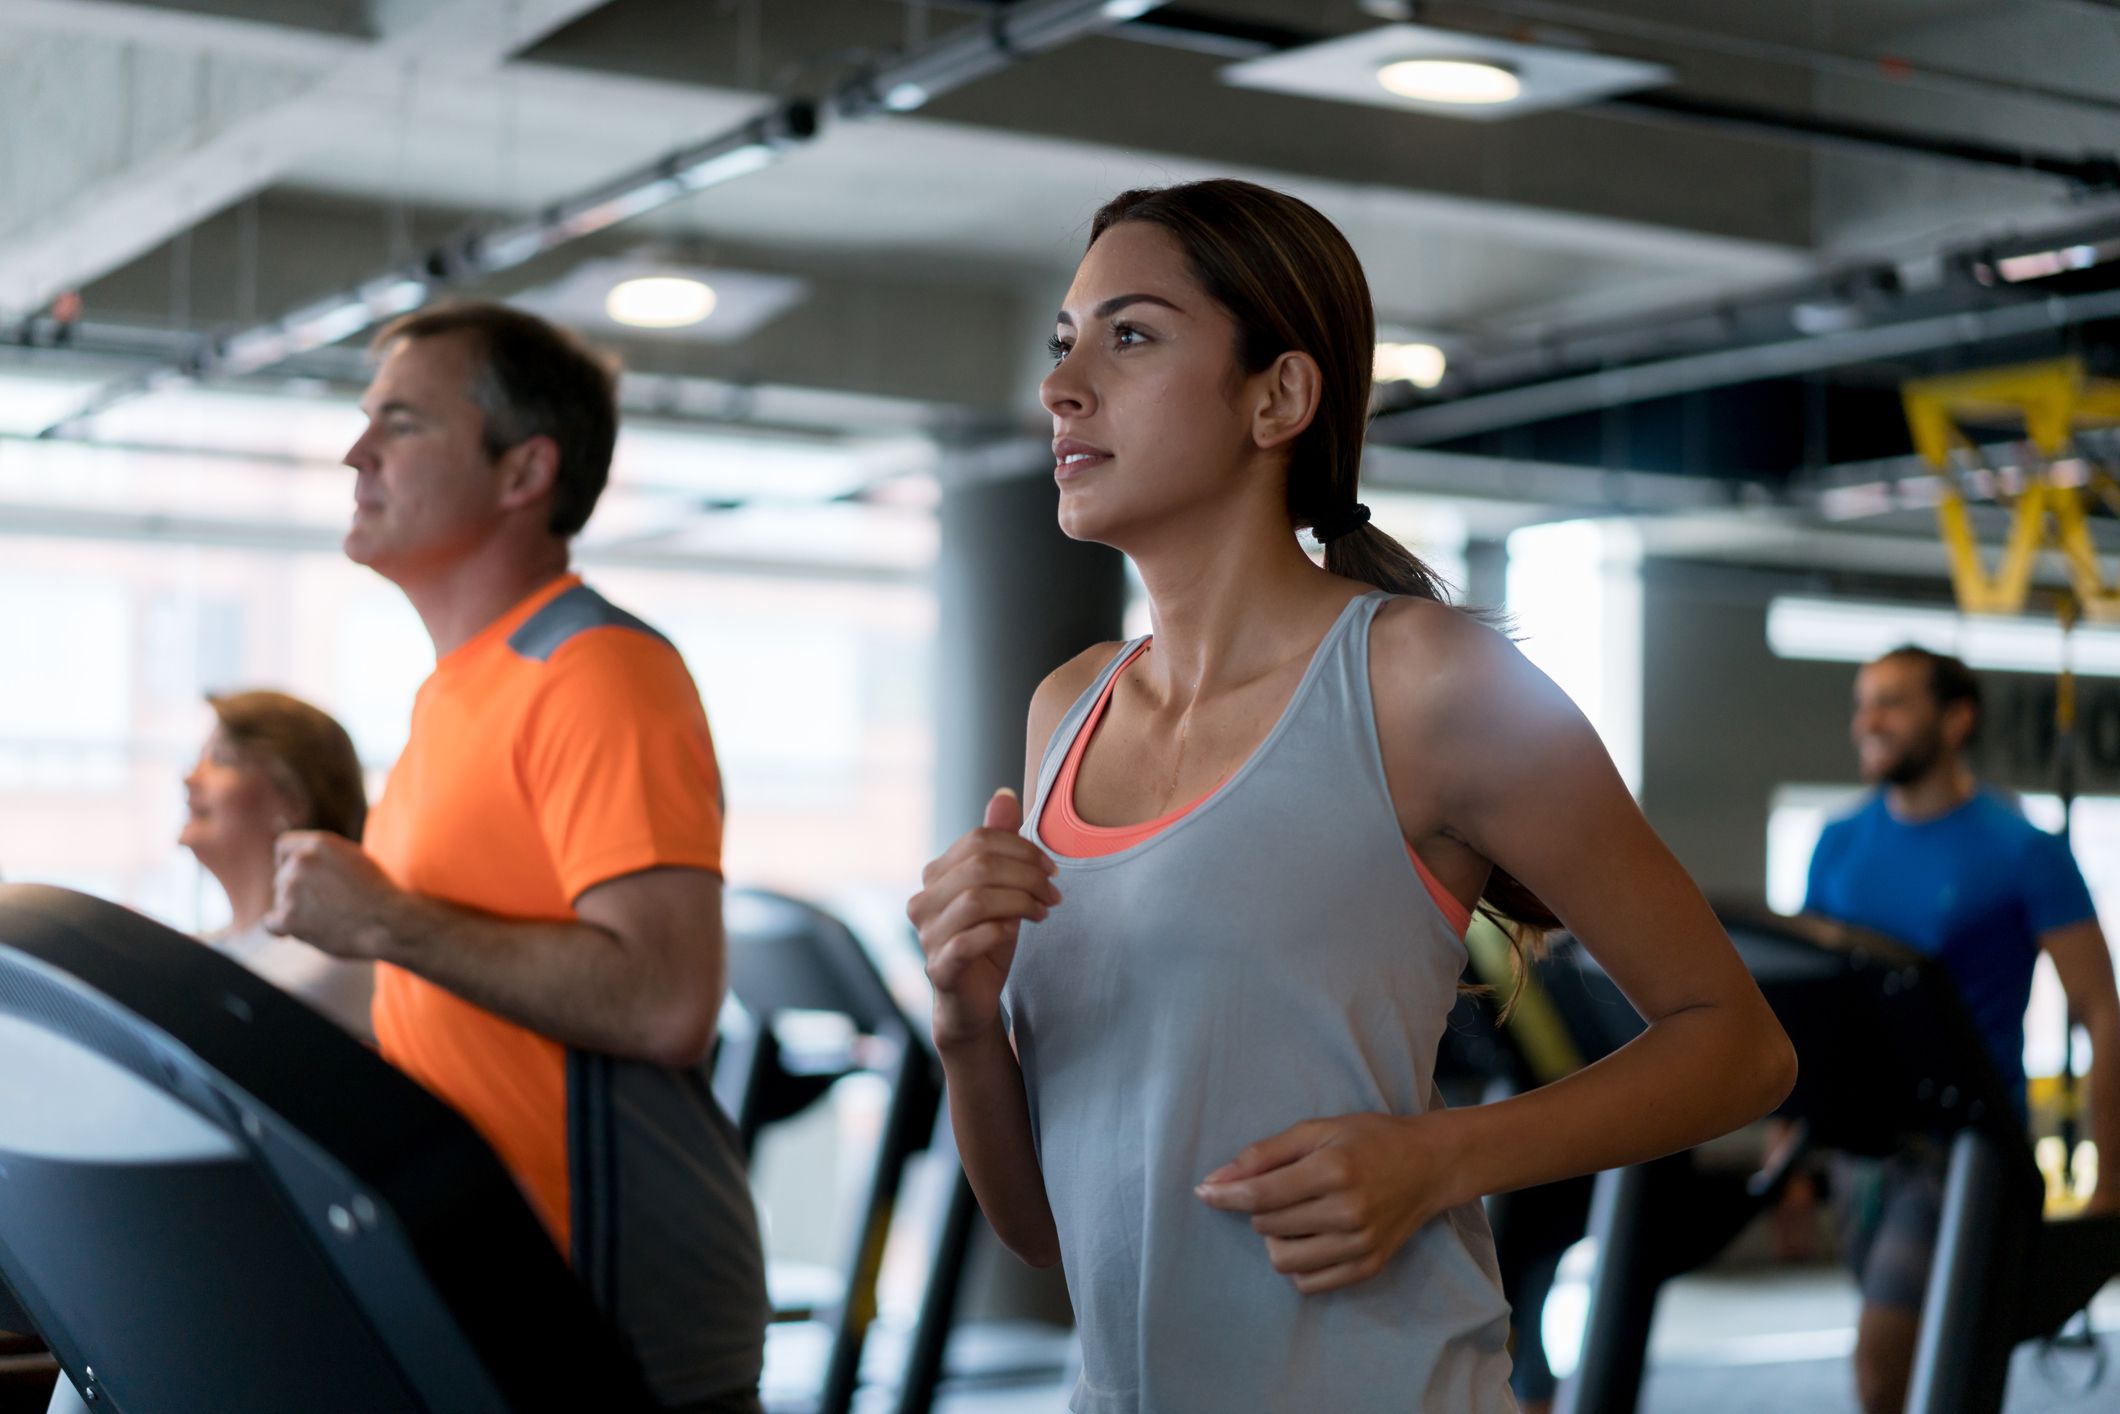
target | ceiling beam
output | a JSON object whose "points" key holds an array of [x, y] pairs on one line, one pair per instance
{"points": [[1564, 489], [251, 124], [907, 82], [85, 523], [305, 35], [1478, 413]]}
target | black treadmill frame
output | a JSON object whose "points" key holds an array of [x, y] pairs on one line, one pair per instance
{"points": [[498, 1307]]}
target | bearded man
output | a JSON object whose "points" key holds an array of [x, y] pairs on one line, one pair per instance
{"points": [[1953, 870]]}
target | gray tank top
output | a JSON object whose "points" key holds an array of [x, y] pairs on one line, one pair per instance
{"points": [[1269, 958]]}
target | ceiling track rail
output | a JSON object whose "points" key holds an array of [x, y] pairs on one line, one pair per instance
{"points": [[907, 82]]}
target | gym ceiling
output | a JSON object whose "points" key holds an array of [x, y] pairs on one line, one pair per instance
{"points": [[1694, 300]]}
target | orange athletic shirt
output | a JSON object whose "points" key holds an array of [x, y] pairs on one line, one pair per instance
{"points": [[533, 773], [1077, 838]]}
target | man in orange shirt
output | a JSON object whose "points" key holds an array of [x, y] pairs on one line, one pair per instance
{"points": [[540, 886]]}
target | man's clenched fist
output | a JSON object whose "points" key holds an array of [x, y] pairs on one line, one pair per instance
{"points": [[330, 894]]}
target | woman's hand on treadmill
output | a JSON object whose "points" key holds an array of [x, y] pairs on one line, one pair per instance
{"points": [[971, 902], [327, 892], [1335, 1199]]}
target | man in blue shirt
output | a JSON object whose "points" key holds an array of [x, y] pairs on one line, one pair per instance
{"points": [[1956, 872]]}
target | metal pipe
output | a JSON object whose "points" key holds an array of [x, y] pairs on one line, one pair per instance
{"points": [[1764, 315], [1962, 1359], [964, 56], [1892, 69], [1019, 32], [1515, 407], [2090, 172], [1608, 1376]]}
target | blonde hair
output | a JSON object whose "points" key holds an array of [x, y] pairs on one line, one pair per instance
{"points": [[308, 755]]}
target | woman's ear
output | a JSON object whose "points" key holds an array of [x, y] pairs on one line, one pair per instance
{"points": [[294, 805], [1287, 400]]}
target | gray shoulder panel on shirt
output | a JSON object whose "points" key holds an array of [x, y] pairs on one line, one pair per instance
{"points": [[576, 611]]}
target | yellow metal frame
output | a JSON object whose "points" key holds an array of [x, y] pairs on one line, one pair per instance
{"points": [[2052, 400], [1534, 1023]]}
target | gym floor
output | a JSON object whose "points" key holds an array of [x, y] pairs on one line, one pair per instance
{"points": [[1762, 1343], [1797, 1329]]}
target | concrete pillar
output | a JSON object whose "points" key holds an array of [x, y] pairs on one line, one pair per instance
{"points": [[1486, 574], [1018, 599]]}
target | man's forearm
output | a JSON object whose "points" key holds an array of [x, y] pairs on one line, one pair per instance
{"points": [[572, 982], [2104, 1110]]}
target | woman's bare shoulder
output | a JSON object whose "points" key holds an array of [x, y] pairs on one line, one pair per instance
{"points": [[1071, 679], [1437, 650], [1060, 689], [1440, 672]]}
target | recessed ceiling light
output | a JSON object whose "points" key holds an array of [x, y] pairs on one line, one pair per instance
{"points": [[1447, 73], [1419, 364], [599, 293], [1469, 81], [659, 302]]}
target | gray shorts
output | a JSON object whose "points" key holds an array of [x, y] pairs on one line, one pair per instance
{"points": [[1889, 1210]]}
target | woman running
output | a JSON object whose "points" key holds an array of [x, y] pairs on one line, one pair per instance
{"points": [[1189, 1010]]}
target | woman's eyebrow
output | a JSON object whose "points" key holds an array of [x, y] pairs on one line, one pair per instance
{"points": [[1116, 303]]}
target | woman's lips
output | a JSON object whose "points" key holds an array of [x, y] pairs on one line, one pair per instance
{"points": [[1075, 463]]}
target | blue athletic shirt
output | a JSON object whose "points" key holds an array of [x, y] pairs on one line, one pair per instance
{"points": [[1974, 889]]}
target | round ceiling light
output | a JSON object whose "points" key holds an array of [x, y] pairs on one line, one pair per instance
{"points": [[1422, 365], [1466, 81], [659, 302]]}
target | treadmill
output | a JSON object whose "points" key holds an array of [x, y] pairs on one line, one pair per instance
{"points": [[786, 955], [212, 1200], [1887, 1052]]}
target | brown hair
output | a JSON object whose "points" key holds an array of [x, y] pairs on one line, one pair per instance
{"points": [[307, 754], [534, 379], [1950, 680], [1291, 281]]}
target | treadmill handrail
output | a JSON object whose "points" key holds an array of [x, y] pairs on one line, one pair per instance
{"points": [[191, 1021]]}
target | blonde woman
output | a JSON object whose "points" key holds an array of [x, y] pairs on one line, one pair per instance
{"points": [[273, 763]]}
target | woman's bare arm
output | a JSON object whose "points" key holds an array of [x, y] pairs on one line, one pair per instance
{"points": [[1527, 784], [1496, 757], [972, 902]]}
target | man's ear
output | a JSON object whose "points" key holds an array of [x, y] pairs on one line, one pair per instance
{"points": [[1959, 720], [1286, 394], [529, 472]]}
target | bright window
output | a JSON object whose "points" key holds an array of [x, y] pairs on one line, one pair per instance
{"points": [[1844, 631], [134, 581], [817, 693], [1575, 595]]}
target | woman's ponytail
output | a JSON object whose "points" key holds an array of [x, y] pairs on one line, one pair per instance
{"points": [[1291, 282]]}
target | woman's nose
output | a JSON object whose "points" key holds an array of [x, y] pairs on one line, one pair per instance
{"points": [[1063, 392]]}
